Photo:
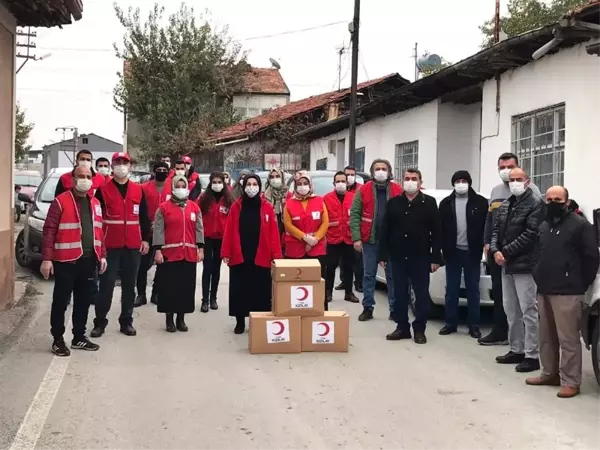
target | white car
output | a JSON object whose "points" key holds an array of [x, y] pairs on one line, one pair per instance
{"points": [[437, 284]]}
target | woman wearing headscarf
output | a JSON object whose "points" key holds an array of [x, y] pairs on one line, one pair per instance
{"points": [[250, 243], [179, 243], [276, 193], [238, 189], [214, 205], [227, 180]]}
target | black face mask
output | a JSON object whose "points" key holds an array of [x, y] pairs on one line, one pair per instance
{"points": [[555, 210], [160, 176]]}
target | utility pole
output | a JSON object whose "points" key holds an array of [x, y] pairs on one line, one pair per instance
{"points": [[354, 33], [29, 45], [341, 52], [416, 56], [497, 23], [75, 131]]}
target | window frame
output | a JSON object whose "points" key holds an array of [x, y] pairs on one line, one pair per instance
{"points": [[400, 157], [359, 163]]}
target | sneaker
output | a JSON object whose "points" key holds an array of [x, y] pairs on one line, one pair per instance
{"points": [[84, 344], [475, 333], [399, 334], [510, 358], [446, 330], [528, 365], [140, 300], [367, 314], [213, 304], [543, 380], [420, 337], [493, 339], [59, 348], [97, 332], [128, 330], [351, 298], [204, 307], [568, 392], [340, 287]]}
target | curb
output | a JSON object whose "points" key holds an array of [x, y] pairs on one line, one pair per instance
{"points": [[16, 319]]}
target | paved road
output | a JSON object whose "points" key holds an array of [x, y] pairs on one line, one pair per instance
{"points": [[203, 390]]}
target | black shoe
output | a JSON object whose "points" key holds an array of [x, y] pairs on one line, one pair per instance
{"points": [[475, 333], [420, 337], [351, 298], [367, 314], [204, 307], [170, 327], [359, 288], [528, 365], [181, 326], [84, 344], [340, 287], [140, 300], [97, 332], [446, 330], [510, 358], [240, 327], [213, 304], [154, 299], [392, 317], [328, 297], [59, 348], [399, 334], [128, 330], [493, 339]]}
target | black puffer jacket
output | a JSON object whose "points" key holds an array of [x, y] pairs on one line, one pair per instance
{"points": [[515, 231]]}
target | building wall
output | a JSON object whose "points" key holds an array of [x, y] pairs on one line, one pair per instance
{"points": [[571, 77], [7, 154], [255, 104], [62, 154]]}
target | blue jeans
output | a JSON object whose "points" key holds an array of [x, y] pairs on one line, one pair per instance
{"points": [[458, 262], [371, 262], [412, 274]]}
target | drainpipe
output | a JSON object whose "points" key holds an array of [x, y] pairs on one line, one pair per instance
{"points": [[547, 47]]}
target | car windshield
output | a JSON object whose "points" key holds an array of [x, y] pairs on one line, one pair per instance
{"points": [[324, 184], [28, 180], [46, 195]]}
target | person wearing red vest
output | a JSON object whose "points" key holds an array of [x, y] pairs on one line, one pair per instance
{"points": [[155, 191], [178, 241], [126, 232], [339, 239], [191, 175], [214, 203], [366, 218], [103, 169], [250, 243], [65, 182], [73, 250]]}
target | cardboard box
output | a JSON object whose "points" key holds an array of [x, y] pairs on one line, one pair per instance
{"points": [[299, 298], [296, 270], [328, 333], [270, 334]]}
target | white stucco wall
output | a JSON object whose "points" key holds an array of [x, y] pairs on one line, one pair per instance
{"points": [[571, 77], [259, 102]]}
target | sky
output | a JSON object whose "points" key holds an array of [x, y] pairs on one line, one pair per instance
{"points": [[73, 86]]}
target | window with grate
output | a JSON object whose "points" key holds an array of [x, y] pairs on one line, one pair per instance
{"points": [[322, 164], [84, 140], [359, 160], [406, 157], [538, 139]]}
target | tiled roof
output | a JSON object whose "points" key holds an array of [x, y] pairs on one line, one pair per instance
{"points": [[248, 127], [264, 81]]}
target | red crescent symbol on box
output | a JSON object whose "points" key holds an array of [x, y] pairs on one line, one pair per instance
{"points": [[327, 328], [303, 289], [281, 328]]}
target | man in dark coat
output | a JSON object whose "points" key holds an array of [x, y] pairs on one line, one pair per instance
{"points": [[566, 267], [463, 214]]}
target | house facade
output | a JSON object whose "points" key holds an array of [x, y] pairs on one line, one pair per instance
{"points": [[264, 89]]}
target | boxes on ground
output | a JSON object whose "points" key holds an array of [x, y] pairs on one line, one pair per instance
{"points": [[296, 270], [270, 334], [298, 289], [327, 333]]}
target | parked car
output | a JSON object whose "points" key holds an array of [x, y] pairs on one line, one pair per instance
{"points": [[29, 180], [437, 284], [590, 324], [322, 181], [140, 176]]}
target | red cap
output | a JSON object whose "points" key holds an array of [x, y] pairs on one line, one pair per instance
{"points": [[121, 155], [186, 159]]}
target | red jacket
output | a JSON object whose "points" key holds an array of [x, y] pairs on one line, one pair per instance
{"points": [[98, 180], [51, 227], [122, 216], [269, 245], [154, 198], [367, 196], [215, 219], [180, 231], [192, 180], [339, 212], [308, 220]]}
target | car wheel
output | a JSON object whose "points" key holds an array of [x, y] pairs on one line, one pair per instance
{"points": [[21, 252], [596, 349]]}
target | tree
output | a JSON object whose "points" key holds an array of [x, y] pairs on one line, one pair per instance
{"points": [[180, 78], [526, 15], [22, 132]]}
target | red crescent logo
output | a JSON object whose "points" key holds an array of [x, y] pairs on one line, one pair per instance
{"points": [[305, 291], [327, 328], [281, 328]]}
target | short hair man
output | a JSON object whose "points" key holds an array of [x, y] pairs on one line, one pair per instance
{"points": [[83, 158]]}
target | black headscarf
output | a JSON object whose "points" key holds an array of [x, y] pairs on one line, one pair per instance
{"points": [[250, 221]]}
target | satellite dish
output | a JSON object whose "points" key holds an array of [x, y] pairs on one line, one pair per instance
{"points": [[429, 62], [275, 64]]}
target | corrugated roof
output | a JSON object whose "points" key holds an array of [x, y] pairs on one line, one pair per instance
{"points": [[264, 81]]}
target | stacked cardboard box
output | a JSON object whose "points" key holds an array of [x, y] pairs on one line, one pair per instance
{"points": [[298, 321]]}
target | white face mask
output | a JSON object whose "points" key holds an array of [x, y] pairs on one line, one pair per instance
{"points": [[121, 171], [303, 190], [181, 193], [104, 171], [461, 188], [83, 185], [180, 172], [275, 182], [217, 187], [87, 164], [381, 175], [251, 191], [410, 186], [340, 188], [351, 179], [504, 174], [187, 167], [517, 187]]}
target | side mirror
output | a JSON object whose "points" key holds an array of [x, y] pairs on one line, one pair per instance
{"points": [[25, 198]]}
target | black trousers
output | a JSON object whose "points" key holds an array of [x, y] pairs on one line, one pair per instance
{"points": [[357, 267], [323, 261], [125, 262], [77, 278], [500, 327], [414, 275], [211, 272], [337, 253], [142, 276]]}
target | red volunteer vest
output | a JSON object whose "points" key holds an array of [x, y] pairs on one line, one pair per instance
{"points": [[180, 231], [215, 219], [154, 198], [339, 212], [67, 246], [367, 196], [192, 180], [308, 220], [98, 181], [122, 216]]}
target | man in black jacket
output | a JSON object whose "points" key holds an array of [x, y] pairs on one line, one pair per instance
{"points": [[566, 267], [513, 248], [463, 214], [411, 241]]}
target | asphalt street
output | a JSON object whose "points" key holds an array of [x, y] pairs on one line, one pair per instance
{"points": [[203, 390]]}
